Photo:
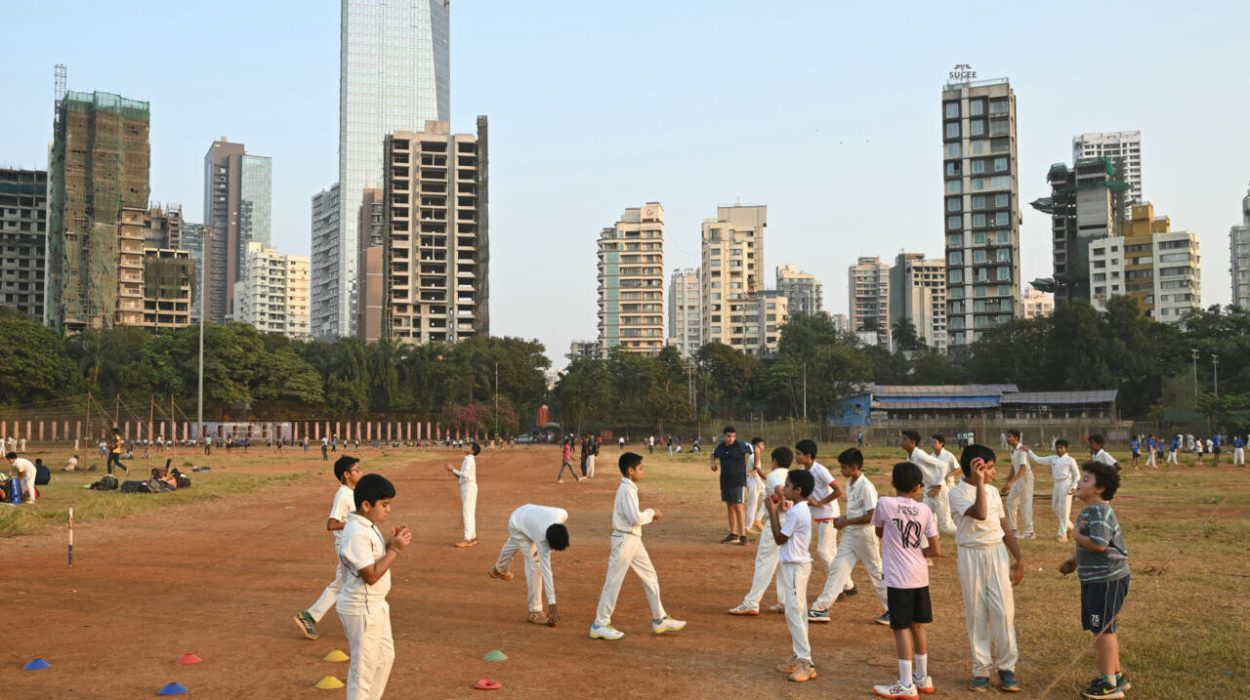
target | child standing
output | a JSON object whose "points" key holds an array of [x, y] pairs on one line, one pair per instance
{"points": [[347, 471], [628, 552], [755, 487], [823, 503], [986, 576], [1019, 488], [794, 537], [535, 531], [1101, 563], [361, 602], [908, 534], [858, 542], [1064, 474], [467, 474], [766, 552]]}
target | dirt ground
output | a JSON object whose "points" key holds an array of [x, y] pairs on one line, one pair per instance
{"points": [[222, 580]]}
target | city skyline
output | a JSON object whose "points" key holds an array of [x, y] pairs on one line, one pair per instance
{"points": [[823, 203]]}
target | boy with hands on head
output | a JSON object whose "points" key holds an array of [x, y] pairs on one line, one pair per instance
{"points": [[794, 537]]}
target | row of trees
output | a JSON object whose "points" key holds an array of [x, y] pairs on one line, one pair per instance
{"points": [[249, 374]]}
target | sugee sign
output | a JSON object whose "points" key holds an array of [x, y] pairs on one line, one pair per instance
{"points": [[963, 73]]}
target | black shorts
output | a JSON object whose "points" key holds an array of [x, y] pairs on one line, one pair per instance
{"points": [[733, 494], [1101, 602], [908, 606]]}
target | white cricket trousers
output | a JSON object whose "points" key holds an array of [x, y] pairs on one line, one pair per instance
{"points": [[468, 506], [989, 608], [1021, 497], [794, 577], [1151, 460], [827, 546], [326, 601], [859, 544], [628, 552], [941, 507], [1172, 457], [518, 542], [372, 651], [755, 499], [766, 557], [1239, 455], [1061, 505], [28, 486]]}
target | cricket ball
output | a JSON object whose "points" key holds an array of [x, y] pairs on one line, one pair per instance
{"points": [[775, 498]]}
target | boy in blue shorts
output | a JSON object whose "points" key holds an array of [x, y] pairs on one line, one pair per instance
{"points": [[1101, 563]]}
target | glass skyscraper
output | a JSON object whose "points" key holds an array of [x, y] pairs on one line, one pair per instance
{"points": [[395, 74]]}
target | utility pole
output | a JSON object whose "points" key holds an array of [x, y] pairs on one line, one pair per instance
{"points": [[86, 425], [804, 392], [117, 411], [199, 411], [1215, 372], [1194, 351], [496, 399]]}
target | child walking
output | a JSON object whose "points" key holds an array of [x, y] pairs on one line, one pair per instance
{"points": [[794, 537], [629, 552], [766, 552], [347, 472], [361, 602], [858, 542], [1064, 475], [986, 575], [908, 533], [467, 474], [1101, 564], [566, 462]]}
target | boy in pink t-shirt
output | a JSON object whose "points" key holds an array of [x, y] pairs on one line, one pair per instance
{"points": [[903, 523]]}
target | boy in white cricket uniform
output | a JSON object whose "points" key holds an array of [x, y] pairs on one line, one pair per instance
{"points": [[347, 471], [823, 504], [1097, 454], [1019, 488], [935, 471], [535, 531], [858, 542], [767, 551], [25, 474], [1065, 473], [986, 575], [467, 474], [361, 602], [794, 538], [627, 552], [755, 487]]}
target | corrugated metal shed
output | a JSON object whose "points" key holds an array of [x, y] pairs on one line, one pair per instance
{"points": [[1061, 398]]}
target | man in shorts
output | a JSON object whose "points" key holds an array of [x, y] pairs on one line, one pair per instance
{"points": [[730, 458]]}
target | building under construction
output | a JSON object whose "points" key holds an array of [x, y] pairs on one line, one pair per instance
{"points": [[99, 196]]}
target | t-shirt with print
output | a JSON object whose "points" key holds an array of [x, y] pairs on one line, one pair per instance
{"points": [[904, 524], [861, 497], [798, 527], [970, 532], [1098, 522], [362, 545], [344, 503], [824, 486]]}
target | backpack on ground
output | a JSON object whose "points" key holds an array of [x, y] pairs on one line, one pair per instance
{"points": [[106, 483], [135, 487]]}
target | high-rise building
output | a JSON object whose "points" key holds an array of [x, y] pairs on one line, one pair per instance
{"points": [[1156, 266], [763, 314], [1037, 304], [841, 323], [731, 271], [23, 238], [163, 227], [868, 295], [436, 255], [168, 281], [1239, 256], [631, 281], [369, 309], [1122, 148], [237, 210], [324, 261], [583, 349], [394, 75], [685, 327], [98, 198], [982, 207], [918, 294], [1083, 205], [272, 291], [804, 293]]}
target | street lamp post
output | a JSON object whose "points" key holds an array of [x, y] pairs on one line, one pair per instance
{"points": [[199, 400], [1215, 372], [496, 399], [1194, 351]]}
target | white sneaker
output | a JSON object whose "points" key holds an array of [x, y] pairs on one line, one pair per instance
{"points": [[668, 624], [1026, 536], [924, 685], [607, 632], [897, 691]]}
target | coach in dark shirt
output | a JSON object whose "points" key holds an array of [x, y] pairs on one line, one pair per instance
{"points": [[730, 457]]}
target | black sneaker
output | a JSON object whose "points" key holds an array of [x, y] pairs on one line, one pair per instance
{"points": [[306, 624], [742, 540], [1100, 688], [731, 537], [1122, 683], [1007, 682]]}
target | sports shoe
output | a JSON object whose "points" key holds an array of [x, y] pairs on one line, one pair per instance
{"points": [[815, 615], [1007, 682], [884, 619], [466, 543], [744, 610], [803, 672], [979, 684], [607, 632], [1062, 540], [788, 666], [668, 624], [1026, 536], [1100, 688], [742, 540], [1122, 683], [499, 575], [731, 537], [778, 608], [924, 685], [850, 592], [897, 691], [758, 525], [306, 624], [537, 618]]}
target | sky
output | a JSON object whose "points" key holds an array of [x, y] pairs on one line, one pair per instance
{"points": [[827, 113]]}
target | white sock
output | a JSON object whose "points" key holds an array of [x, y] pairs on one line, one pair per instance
{"points": [[904, 673], [922, 666]]}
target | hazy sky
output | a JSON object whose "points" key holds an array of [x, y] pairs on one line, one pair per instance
{"points": [[827, 113]]}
